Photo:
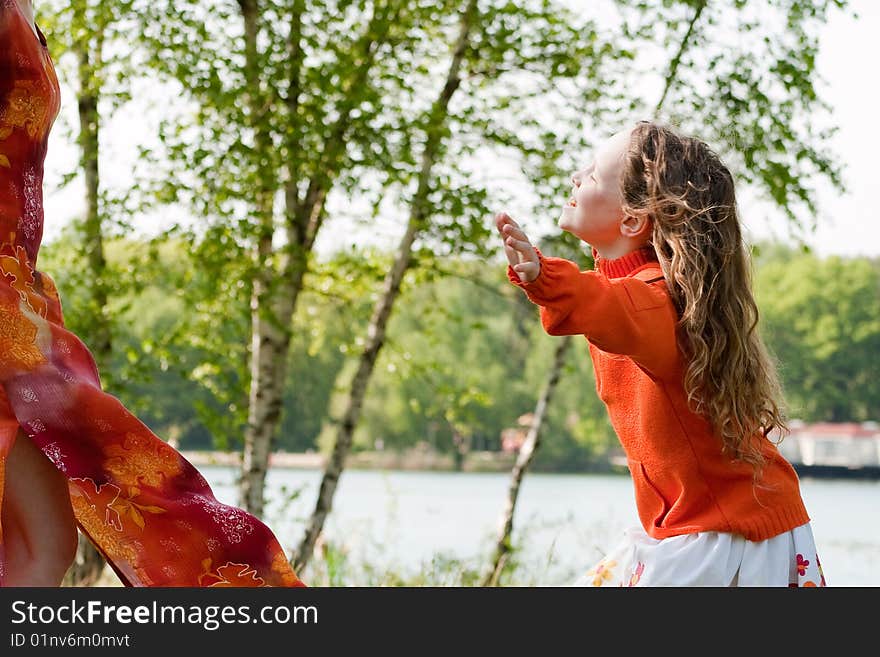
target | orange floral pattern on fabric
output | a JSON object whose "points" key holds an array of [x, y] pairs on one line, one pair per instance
{"points": [[21, 278], [18, 342], [26, 107], [140, 460], [94, 509], [230, 575], [145, 507]]}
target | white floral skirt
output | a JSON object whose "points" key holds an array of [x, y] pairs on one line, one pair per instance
{"points": [[709, 559]]}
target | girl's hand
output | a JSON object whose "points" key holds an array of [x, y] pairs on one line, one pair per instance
{"points": [[520, 253]]}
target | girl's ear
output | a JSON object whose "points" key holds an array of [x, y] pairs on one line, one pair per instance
{"points": [[635, 226]]}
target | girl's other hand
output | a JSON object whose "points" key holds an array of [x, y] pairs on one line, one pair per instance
{"points": [[520, 253]]}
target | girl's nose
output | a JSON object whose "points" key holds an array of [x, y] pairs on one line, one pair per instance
{"points": [[575, 181]]}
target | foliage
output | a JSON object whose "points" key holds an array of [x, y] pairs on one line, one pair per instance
{"points": [[821, 317], [465, 356], [747, 84], [465, 353]]}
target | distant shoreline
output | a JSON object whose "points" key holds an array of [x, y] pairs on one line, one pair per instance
{"points": [[421, 460], [384, 460], [309, 461], [837, 471]]}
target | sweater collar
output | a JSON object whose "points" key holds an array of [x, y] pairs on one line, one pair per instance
{"points": [[624, 265]]}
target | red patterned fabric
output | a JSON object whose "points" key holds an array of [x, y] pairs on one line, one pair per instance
{"points": [[145, 507]]}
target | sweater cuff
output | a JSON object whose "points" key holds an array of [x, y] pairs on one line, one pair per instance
{"points": [[546, 285]]}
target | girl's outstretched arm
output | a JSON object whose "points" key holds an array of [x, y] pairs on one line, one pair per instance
{"points": [[625, 316]]}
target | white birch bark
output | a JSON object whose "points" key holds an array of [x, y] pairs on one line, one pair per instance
{"points": [[382, 311]]}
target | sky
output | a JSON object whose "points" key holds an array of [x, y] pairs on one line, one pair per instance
{"points": [[848, 223]]}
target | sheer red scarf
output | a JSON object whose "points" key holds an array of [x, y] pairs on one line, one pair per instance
{"points": [[145, 507]]}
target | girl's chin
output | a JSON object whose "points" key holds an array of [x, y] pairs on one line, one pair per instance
{"points": [[566, 217]]}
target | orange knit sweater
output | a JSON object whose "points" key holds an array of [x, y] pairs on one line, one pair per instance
{"points": [[683, 482]]}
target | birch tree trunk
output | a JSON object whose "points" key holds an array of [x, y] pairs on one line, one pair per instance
{"points": [[524, 459], [267, 332], [277, 287], [382, 311]]}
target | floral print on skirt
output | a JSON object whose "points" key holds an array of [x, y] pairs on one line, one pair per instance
{"points": [[709, 559]]}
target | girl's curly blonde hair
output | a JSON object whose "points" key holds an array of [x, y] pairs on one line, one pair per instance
{"points": [[686, 191]]}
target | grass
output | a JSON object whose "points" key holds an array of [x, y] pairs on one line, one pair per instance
{"points": [[335, 565]]}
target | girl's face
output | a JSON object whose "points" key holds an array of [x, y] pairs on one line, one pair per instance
{"points": [[594, 212]]}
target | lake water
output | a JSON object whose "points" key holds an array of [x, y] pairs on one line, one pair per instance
{"points": [[563, 522]]}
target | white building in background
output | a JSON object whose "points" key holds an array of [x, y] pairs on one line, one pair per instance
{"points": [[833, 444]]}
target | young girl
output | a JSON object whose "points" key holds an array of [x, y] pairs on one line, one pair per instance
{"points": [[671, 324], [70, 454]]}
